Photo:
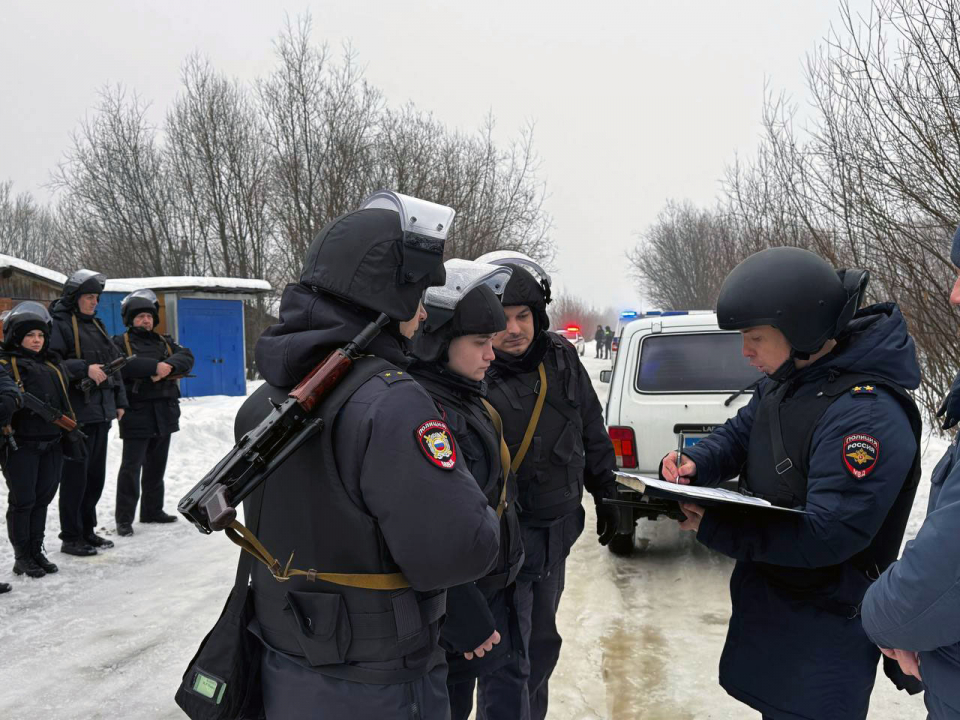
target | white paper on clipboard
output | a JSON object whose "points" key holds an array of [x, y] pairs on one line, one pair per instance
{"points": [[691, 493]]}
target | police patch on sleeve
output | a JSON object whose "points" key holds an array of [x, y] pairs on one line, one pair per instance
{"points": [[436, 441], [860, 453]]}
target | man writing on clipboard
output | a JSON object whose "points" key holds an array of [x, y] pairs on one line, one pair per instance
{"points": [[832, 430]]}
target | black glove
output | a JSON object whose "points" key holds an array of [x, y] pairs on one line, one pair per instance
{"points": [[608, 516], [902, 681]]}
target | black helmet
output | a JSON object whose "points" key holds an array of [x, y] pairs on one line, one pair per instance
{"points": [[795, 291], [22, 319], [383, 256], [83, 282], [529, 285], [140, 301], [467, 304]]}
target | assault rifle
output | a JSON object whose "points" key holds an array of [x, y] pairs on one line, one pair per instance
{"points": [[138, 383], [212, 503], [110, 369], [53, 415]]}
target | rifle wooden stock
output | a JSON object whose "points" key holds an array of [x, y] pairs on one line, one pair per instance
{"points": [[321, 380]]}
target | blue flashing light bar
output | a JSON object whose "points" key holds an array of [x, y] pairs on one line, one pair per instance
{"points": [[628, 314]]}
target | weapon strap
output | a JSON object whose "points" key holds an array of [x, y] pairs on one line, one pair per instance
{"points": [[504, 455], [534, 419], [76, 333], [126, 343], [63, 384]]}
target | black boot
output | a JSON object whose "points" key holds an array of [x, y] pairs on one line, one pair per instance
{"points": [[78, 548], [5, 588], [160, 517], [124, 529], [41, 559], [25, 564], [96, 541]]}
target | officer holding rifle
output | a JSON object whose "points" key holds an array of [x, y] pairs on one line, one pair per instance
{"points": [[379, 507], [79, 335], [154, 363]]}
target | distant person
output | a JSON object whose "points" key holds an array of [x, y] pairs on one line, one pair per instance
{"points": [[32, 470], [608, 342], [154, 413], [601, 339], [78, 334]]}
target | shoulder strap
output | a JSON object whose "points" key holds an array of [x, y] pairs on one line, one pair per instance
{"points": [[16, 371], [63, 386], [504, 455], [76, 335], [126, 344], [534, 420], [364, 369]]}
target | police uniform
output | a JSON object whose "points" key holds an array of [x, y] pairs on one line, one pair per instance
{"points": [[381, 491], [77, 336], [152, 416], [839, 438], [32, 471], [475, 610], [915, 605], [568, 450]]}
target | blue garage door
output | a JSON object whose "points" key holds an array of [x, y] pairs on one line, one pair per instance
{"points": [[108, 310], [213, 330]]}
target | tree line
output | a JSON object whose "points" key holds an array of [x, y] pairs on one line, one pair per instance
{"points": [[870, 180]]}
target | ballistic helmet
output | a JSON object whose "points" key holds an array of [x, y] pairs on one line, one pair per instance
{"points": [[22, 319], [529, 285], [140, 301]]}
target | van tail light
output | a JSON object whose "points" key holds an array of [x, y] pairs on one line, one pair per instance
{"points": [[614, 344], [625, 446]]}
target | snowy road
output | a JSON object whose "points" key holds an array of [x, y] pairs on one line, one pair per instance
{"points": [[108, 637]]}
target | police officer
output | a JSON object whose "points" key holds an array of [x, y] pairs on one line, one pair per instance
{"points": [[553, 425], [79, 335], [480, 632], [9, 402], [913, 610], [831, 430], [150, 380], [382, 490], [32, 470]]}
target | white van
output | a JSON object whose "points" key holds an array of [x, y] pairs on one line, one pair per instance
{"points": [[677, 376]]}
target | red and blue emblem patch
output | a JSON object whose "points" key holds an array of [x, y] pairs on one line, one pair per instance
{"points": [[860, 453], [436, 441]]}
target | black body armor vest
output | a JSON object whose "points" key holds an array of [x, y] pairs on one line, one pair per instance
{"points": [[550, 478], [778, 463], [479, 442], [370, 636]]}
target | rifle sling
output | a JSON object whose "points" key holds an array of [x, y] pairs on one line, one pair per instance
{"points": [[534, 420], [63, 385], [248, 542], [504, 455]]}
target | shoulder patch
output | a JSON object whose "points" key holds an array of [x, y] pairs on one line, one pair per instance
{"points": [[860, 454], [392, 376], [864, 391], [436, 442]]}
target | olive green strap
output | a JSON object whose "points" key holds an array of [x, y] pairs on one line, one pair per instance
{"points": [[76, 335], [534, 420], [126, 342], [504, 455], [247, 541]]}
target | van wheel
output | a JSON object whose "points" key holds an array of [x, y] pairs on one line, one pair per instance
{"points": [[621, 545]]}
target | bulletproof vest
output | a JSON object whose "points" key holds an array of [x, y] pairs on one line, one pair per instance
{"points": [[88, 340], [778, 463], [43, 381], [152, 346], [373, 636], [479, 444], [550, 478]]}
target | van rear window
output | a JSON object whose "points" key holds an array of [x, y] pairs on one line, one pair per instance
{"points": [[688, 362]]}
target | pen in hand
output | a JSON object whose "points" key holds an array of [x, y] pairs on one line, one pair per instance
{"points": [[679, 455]]}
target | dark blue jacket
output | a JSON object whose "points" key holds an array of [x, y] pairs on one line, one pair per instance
{"points": [[785, 655], [915, 605]]}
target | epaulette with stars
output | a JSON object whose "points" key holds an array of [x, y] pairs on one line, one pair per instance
{"points": [[863, 391]]}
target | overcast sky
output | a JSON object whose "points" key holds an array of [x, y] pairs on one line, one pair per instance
{"points": [[635, 102]]}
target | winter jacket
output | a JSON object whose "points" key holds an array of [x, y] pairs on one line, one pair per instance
{"points": [[476, 609], [790, 653], [154, 407], [381, 489], [9, 398], [72, 329], [43, 377], [915, 605], [570, 449]]}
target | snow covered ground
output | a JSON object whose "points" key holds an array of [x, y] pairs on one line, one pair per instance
{"points": [[109, 637]]}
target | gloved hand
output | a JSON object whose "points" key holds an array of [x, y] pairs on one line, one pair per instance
{"points": [[608, 516]]}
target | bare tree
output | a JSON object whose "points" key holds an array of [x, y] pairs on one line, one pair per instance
{"points": [[28, 231]]}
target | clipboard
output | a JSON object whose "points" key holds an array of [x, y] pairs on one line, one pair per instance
{"points": [[705, 496]]}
